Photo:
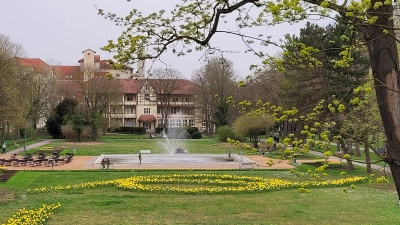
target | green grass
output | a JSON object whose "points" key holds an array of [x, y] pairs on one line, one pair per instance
{"points": [[129, 146], [368, 204], [109, 205]]}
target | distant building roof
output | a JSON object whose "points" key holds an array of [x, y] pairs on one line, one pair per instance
{"points": [[33, 62]]}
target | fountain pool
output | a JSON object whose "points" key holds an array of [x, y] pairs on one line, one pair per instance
{"points": [[177, 160]]}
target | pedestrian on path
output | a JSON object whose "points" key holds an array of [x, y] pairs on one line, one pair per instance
{"points": [[140, 159], [4, 148]]}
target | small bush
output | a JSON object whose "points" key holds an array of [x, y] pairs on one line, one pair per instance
{"points": [[196, 135], [132, 130], [158, 130], [224, 133], [192, 130], [70, 134]]}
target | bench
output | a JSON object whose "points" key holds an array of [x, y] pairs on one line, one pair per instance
{"points": [[110, 165], [145, 151], [245, 164]]}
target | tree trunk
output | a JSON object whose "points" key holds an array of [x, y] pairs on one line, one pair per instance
{"points": [[345, 150], [358, 153], [349, 147], [384, 63], [367, 157]]}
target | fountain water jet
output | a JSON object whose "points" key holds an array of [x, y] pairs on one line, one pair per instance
{"points": [[172, 145]]}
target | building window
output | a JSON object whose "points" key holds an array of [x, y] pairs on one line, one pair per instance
{"points": [[187, 99], [159, 122], [172, 123], [184, 123], [178, 123], [203, 123], [129, 98], [161, 111], [146, 110], [174, 99], [175, 110], [129, 110], [187, 111], [146, 96], [191, 123]]}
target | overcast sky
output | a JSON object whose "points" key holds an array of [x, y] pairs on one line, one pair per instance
{"points": [[58, 31]]}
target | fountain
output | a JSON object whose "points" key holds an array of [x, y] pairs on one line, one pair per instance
{"points": [[172, 145], [172, 160]]}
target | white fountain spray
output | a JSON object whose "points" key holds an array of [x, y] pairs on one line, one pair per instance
{"points": [[172, 145]]}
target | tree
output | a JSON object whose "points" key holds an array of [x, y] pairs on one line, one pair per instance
{"points": [[39, 85], [253, 127], [216, 82], [77, 122], [166, 82], [303, 86], [363, 120], [96, 92], [13, 100], [58, 117], [195, 24]]}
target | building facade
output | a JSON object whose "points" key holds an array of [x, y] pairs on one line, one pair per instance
{"points": [[143, 102]]}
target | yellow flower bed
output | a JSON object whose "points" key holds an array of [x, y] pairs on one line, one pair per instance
{"points": [[209, 184], [32, 216]]}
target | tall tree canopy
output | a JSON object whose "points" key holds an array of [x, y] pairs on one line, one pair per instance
{"points": [[216, 82], [304, 86], [192, 24], [13, 100]]}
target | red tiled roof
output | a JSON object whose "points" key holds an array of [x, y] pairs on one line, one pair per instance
{"points": [[147, 117], [33, 62], [104, 65], [179, 86], [131, 86]]}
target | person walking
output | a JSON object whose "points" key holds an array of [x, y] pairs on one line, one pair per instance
{"points": [[4, 148], [140, 159]]}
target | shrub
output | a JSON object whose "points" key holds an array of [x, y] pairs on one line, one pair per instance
{"points": [[225, 132], [133, 130], [196, 135], [70, 134], [192, 130], [158, 130]]}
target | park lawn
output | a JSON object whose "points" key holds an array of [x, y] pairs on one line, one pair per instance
{"points": [[109, 205], [133, 146], [361, 158]]}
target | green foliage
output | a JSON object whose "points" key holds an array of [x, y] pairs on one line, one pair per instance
{"points": [[301, 70], [192, 130], [225, 132], [196, 135], [132, 130], [58, 117], [158, 130], [77, 122]]}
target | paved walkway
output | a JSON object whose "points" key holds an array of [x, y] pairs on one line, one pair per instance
{"points": [[21, 149], [87, 162]]}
